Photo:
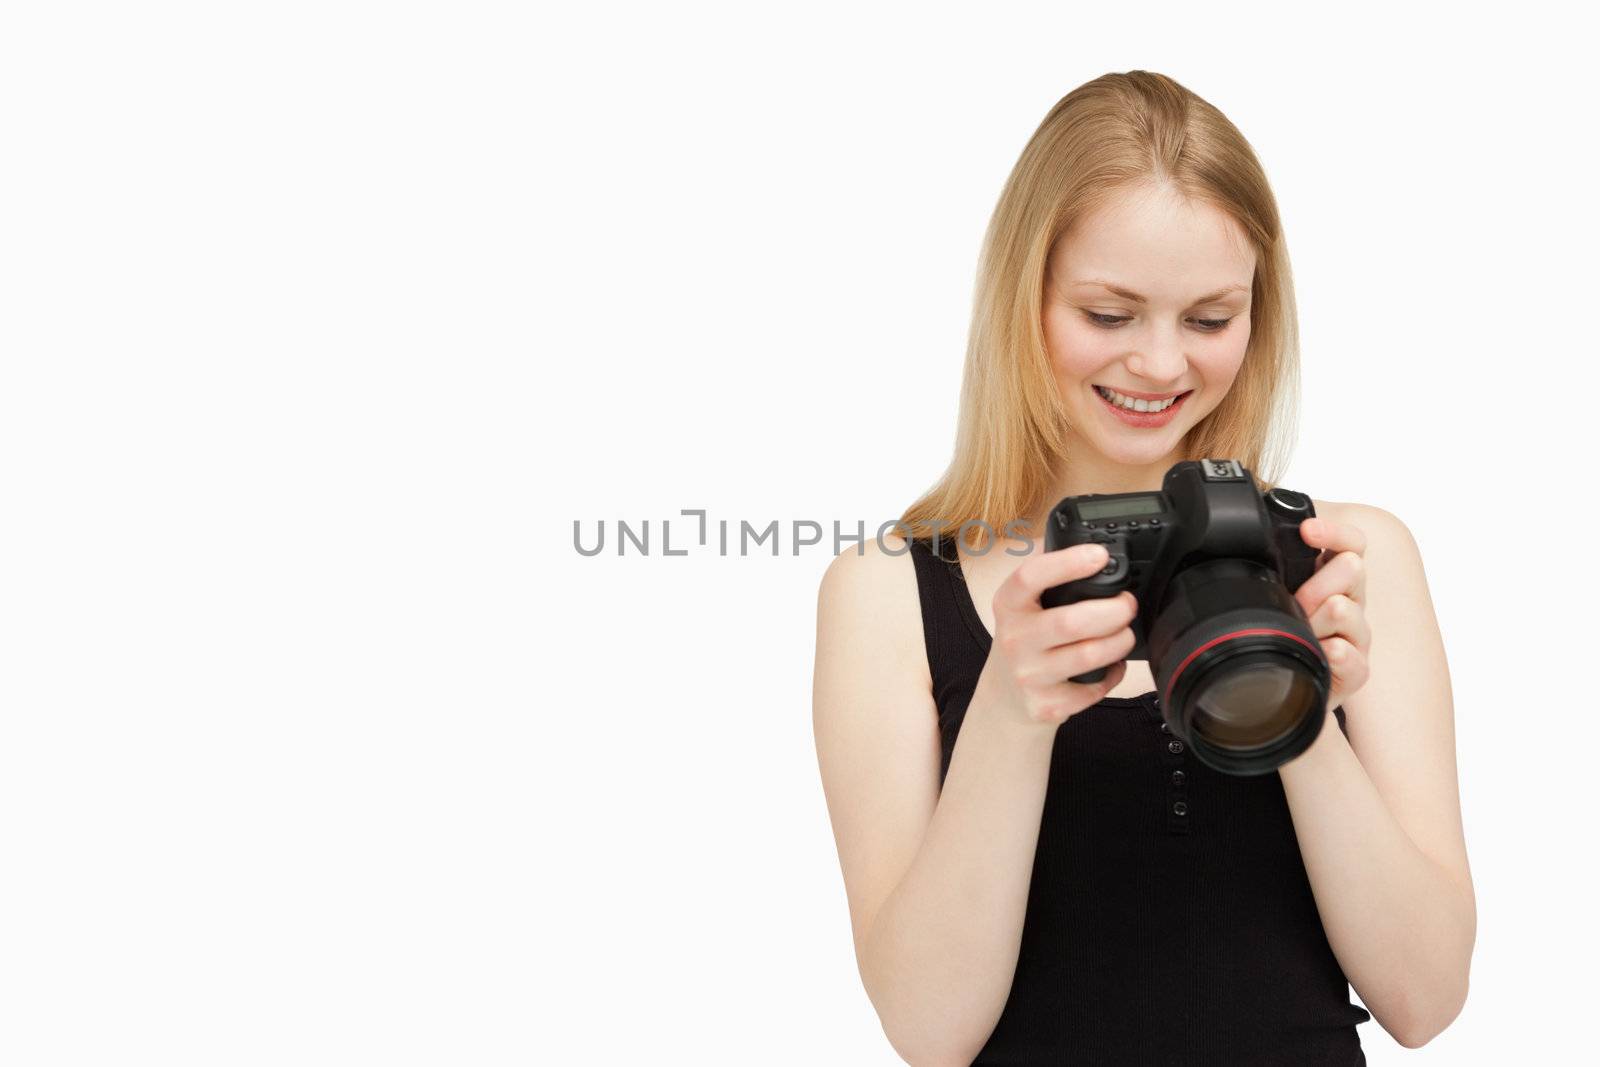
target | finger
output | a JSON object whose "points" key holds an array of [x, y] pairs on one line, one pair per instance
{"points": [[1348, 663], [1066, 623], [1020, 591], [1064, 695], [1115, 672], [1095, 652], [1341, 616], [1345, 573], [1333, 536], [1057, 665]]}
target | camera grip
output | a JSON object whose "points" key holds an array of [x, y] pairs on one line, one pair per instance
{"points": [[1111, 580]]}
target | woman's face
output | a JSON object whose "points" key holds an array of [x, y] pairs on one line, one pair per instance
{"points": [[1182, 339]]}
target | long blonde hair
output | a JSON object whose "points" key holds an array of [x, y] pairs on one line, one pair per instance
{"points": [[1116, 132]]}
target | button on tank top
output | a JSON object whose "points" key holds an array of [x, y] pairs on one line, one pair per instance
{"points": [[1169, 919]]}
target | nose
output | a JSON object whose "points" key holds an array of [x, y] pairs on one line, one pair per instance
{"points": [[1161, 360]]}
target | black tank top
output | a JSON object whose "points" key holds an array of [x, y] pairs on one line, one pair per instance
{"points": [[1169, 918]]}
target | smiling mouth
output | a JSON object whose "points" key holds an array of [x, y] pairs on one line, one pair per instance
{"points": [[1139, 407]]}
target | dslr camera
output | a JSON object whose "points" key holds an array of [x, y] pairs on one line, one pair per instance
{"points": [[1240, 676]]}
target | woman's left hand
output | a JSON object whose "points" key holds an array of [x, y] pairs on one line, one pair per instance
{"points": [[1333, 598]]}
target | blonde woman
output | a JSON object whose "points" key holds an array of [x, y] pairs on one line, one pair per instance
{"points": [[1036, 869]]}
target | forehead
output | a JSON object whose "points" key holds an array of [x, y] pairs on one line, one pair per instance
{"points": [[1156, 242]]}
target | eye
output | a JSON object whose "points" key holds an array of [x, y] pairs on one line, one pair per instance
{"points": [[1111, 322]]}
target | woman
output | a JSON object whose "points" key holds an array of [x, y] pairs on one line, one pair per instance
{"points": [[1037, 871]]}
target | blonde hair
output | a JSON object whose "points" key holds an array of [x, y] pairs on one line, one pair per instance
{"points": [[1117, 132]]}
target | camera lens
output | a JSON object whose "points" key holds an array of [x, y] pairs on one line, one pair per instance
{"points": [[1251, 704], [1237, 664]]}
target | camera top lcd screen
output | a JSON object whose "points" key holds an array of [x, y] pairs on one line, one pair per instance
{"points": [[1091, 510]]}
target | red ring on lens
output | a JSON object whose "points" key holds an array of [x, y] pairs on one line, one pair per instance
{"points": [[1172, 682]]}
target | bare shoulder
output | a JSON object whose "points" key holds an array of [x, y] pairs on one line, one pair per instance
{"points": [[875, 560], [868, 598], [1382, 528]]}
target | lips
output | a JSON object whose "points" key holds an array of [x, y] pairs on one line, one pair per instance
{"points": [[1144, 419]]}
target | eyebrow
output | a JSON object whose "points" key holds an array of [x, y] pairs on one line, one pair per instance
{"points": [[1129, 294]]}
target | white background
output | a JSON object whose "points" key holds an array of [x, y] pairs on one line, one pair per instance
{"points": [[323, 322]]}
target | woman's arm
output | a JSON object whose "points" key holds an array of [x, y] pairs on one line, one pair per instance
{"points": [[941, 953], [938, 880], [1378, 816]]}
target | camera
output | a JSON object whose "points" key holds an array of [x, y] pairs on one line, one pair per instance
{"points": [[1214, 563]]}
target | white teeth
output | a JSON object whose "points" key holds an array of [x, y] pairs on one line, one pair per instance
{"points": [[1135, 405]]}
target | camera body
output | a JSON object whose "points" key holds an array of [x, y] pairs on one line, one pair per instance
{"points": [[1214, 563]]}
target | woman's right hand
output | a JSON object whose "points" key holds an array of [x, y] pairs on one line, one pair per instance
{"points": [[1036, 650]]}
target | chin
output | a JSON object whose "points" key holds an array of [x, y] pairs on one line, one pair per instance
{"points": [[1141, 454]]}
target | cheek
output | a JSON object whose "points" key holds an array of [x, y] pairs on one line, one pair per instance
{"points": [[1077, 348], [1219, 363]]}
